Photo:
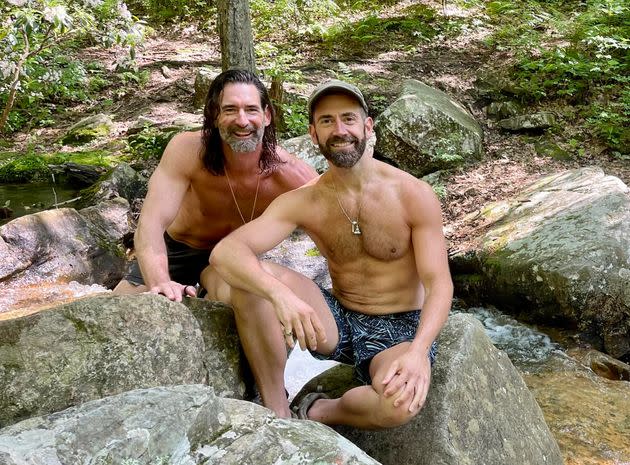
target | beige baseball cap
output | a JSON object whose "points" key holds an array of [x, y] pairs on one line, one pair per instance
{"points": [[332, 87]]}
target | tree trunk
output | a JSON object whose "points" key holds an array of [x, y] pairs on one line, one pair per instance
{"points": [[235, 32]]}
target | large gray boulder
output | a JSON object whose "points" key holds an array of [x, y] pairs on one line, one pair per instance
{"points": [[223, 359], [558, 252], [478, 411], [425, 130], [65, 244], [105, 345], [179, 425]]}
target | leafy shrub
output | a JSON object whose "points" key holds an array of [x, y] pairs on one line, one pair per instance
{"points": [[587, 62], [37, 69], [150, 142]]}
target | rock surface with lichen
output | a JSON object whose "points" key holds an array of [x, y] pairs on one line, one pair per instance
{"points": [[478, 409], [425, 130], [179, 425], [105, 345], [559, 252]]}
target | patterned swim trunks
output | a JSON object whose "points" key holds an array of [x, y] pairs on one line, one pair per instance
{"points": [[362, 337]]}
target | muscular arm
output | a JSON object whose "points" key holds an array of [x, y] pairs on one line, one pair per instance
{"points": [[167, 188], [410, 375], [235, 259]]}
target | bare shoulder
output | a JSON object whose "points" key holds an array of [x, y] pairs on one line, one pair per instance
{"points": [[417, 196], [182, 152], [293, 172]]}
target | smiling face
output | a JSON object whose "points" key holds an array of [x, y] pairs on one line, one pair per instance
{"points": [[242, 120], [340, 128]]}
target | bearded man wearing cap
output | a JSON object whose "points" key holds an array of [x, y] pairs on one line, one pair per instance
{"points": [[381, 231]]}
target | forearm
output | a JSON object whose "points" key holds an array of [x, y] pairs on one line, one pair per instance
{"points": [[239, 266], [437, 304], [152, 256]]}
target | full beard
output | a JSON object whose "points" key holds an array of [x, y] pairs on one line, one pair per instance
{"points": [[343, 158], [238, 144]]}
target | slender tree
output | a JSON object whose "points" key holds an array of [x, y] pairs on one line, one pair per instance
{"points": [[235, 31]]}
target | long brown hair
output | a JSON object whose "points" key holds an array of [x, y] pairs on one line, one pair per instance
{"points": [[212, 150]]}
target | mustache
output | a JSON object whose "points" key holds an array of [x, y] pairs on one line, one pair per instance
{"points": [[236, 128], [336, 139]]}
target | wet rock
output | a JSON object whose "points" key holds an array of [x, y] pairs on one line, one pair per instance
{"points": [[65, 244], [203, 80], [92, 348], [533, 122], [588, 415], [601, 364], [298, 252], [78, 175], [478, 409], [88, 129], [424, 130], [558, 253], [5, 212], [179, 425]]}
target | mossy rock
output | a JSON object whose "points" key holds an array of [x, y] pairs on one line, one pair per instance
{"points": [[37, 167], [88, 129], [26, 168]]}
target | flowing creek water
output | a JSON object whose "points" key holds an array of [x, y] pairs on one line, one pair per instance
{"points": [[24, 199], [588, 415]]}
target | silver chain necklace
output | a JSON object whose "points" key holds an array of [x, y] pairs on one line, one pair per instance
{"points": [[234, 197], [354, 224]]}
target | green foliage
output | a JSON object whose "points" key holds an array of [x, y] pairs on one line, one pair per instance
{"points": [[295, 119], [38, 70], [611, 122], [415, 26], [585, 63], [292, 17], [150, 142], [174, 11]]}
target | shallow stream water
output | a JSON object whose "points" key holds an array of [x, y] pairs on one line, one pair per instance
{"points": [[25, 199]]}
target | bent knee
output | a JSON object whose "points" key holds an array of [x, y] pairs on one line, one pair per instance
{"points": [[388, 416]]}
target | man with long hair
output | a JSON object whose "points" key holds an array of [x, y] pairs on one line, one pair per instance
{"points": [[207, 184]]}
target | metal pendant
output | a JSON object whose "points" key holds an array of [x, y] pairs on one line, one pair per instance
{"points": [[355, 228]]}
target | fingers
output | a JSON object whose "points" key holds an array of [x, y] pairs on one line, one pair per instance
{"points": [[420, 396], [287, 334], [190, 291], [389, 376], [173, 290]]}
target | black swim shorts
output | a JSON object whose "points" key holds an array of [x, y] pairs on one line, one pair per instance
{"points": [[362, 337], [185, 263]]}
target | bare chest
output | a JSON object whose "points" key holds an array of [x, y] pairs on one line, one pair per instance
{"points": [[384, 235]]}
